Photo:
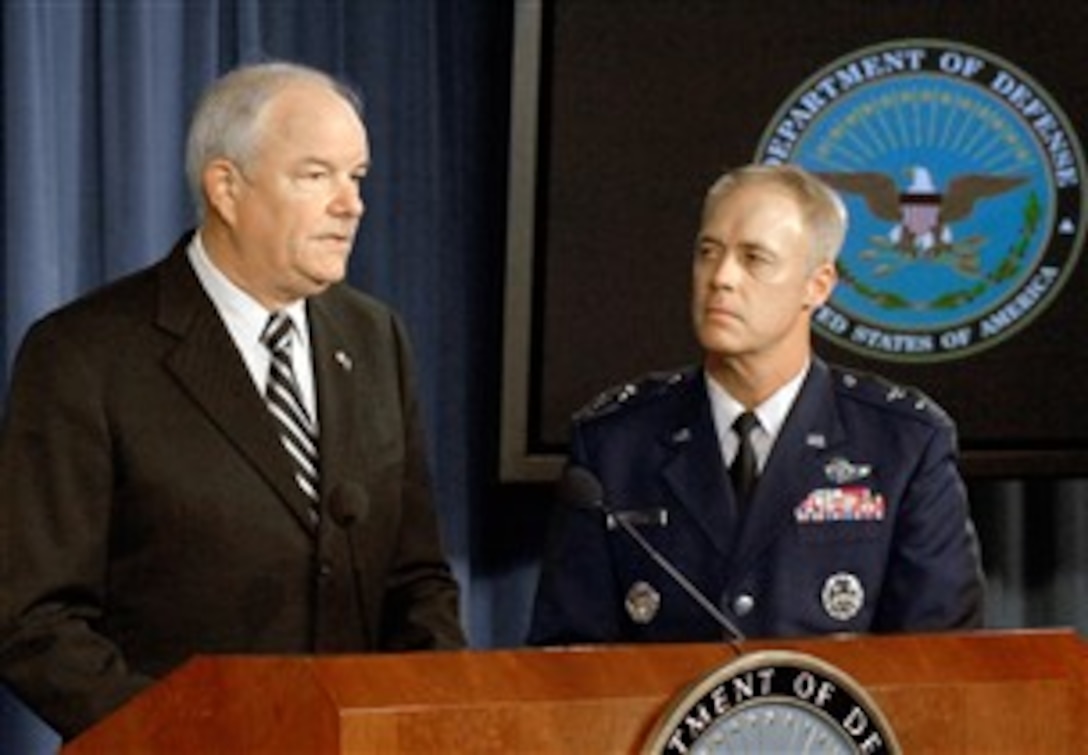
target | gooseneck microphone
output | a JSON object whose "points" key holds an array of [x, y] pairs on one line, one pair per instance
{"points": [[349, 504], [345, 503], [581, 488]]}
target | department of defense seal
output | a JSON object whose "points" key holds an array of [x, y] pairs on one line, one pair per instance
{"points": [[965, 184], [773, 701]]}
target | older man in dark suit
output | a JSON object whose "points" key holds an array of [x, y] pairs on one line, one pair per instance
{"points": [[222, 453], [798, 498]]}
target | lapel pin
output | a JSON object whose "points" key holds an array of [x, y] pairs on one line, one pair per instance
{"points": [[815, 440], [683, 435], [343, 360]]}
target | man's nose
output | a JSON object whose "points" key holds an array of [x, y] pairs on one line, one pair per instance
{"points": [[727, 271], [348, 199]]}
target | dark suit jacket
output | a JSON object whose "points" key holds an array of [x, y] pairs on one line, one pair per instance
{"points": [[899, 553], [149, 511]]}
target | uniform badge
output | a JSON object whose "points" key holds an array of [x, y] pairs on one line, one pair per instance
{"points": [[895, 393], [841, 471], [816, 440], [642, 602], [843, 596], [852, 503], [683, 435]]}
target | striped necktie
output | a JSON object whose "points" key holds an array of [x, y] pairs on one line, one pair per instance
{"points": [[298, 431]]}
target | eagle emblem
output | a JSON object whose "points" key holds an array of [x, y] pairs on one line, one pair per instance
{"points": [[966, 221], [922, 215]]}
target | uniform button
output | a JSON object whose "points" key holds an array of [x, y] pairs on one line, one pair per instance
{"points": [[325, 569], [743, 604]]}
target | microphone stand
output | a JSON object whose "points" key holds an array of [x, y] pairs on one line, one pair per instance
{"points": [[733, 635]]}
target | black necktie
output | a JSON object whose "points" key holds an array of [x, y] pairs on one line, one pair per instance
{"points": [[297, 430], [744, 470]]}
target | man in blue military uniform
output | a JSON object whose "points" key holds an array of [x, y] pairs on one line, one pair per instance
{"points": [[841, 510]]}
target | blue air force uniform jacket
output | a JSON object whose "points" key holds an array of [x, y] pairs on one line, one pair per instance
{"points": [[859, 522]]}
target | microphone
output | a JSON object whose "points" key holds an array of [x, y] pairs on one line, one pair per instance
{"points": [[349, 503], [582, 489]]}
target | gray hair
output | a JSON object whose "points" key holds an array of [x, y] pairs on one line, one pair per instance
{"points": [[227, 121], [823, 210]]}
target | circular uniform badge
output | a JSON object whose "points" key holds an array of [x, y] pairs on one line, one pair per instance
{"points": [[964, 181], [773, 701], [843, 596], [642, 602]]}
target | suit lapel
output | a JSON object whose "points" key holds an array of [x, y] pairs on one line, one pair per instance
{"points": [[794, 468], [335, 365], [209, 368], [695, 471]]}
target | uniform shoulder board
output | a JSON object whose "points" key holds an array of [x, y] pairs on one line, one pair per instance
{"points": [[881, 392], [631, 393]]}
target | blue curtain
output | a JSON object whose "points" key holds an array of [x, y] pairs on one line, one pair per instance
{"points": [[97, 95], [96, 99]]}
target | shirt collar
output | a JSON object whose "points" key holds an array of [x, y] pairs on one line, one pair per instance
{"points": [[235, 304], [771, 413]]}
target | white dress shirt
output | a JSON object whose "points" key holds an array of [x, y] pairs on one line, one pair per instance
{"points": [[245, 319], [771, 415]]}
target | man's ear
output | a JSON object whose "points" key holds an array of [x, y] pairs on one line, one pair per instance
{"points": [[222, 184], [821, 282]]}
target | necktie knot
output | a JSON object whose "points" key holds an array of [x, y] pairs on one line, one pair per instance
{"points": [[744, 424], [276, 335]]}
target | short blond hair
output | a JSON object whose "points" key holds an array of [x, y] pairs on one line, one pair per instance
{"points": [[823, 210]]}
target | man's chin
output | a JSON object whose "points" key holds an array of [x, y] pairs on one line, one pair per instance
{"points": [[329, 274], [317, 284], [719, 344]]}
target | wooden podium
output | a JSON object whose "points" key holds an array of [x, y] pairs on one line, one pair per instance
{"points": [[1014, 692]]}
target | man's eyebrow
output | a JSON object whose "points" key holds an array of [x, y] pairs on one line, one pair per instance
{"points": [[758, 246], [313, 160], [743, 244]]}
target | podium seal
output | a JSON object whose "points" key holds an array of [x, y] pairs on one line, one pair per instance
{"points": [[773, 701]]}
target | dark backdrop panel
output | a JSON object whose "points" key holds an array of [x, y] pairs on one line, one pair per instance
{"points": [[644, 103]]}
